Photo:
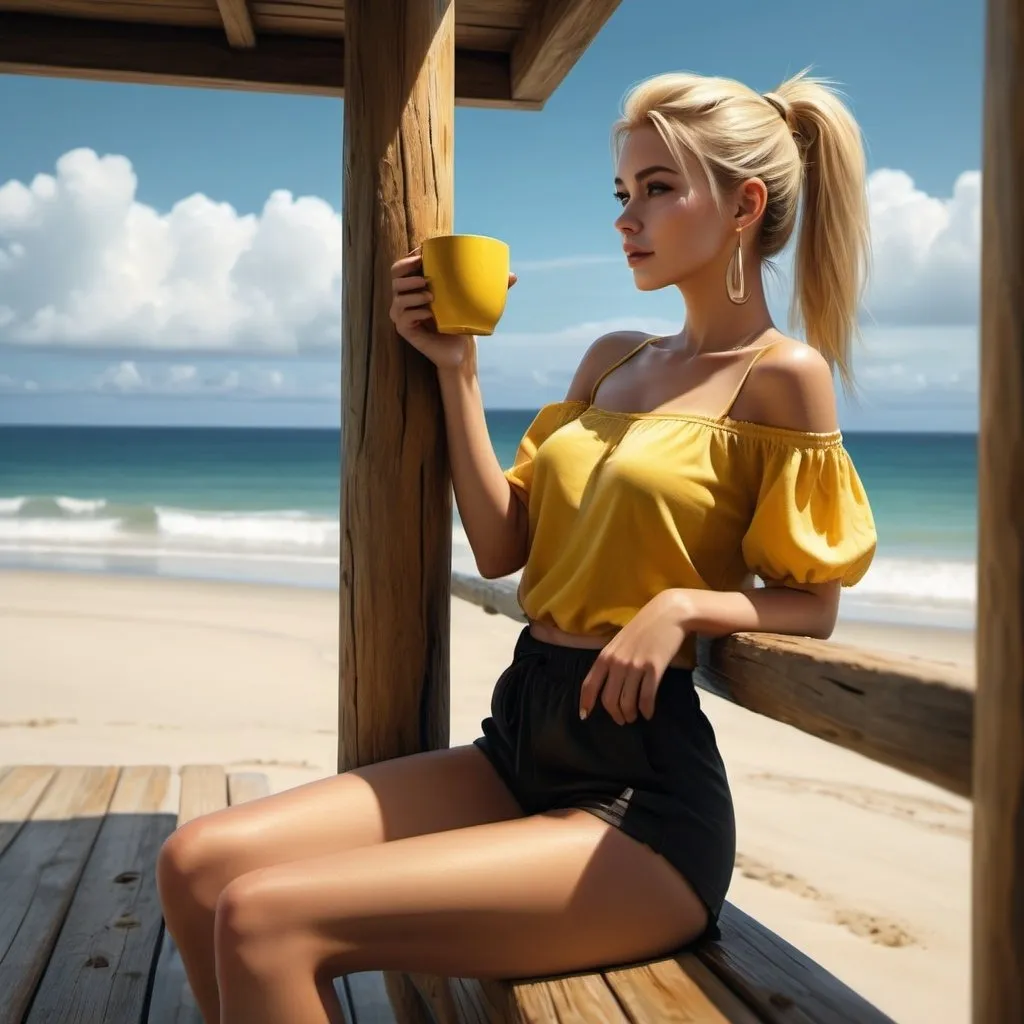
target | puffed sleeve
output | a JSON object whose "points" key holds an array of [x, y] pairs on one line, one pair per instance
{"points": [[545, 423], [812, 522]]}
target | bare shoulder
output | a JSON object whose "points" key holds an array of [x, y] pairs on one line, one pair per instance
{"points": [[791, 387], [601, 354]]}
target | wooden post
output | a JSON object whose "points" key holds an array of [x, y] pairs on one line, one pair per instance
{"points": [[396, 499], [998, 869]]}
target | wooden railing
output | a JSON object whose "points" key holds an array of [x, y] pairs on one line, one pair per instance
{"points": [[909, 713]]}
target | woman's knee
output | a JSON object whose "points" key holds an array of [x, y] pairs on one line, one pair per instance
{"points": [[257, 926], [194, 863]]}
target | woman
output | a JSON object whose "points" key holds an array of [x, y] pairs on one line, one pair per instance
{"points": [[592, 822]]}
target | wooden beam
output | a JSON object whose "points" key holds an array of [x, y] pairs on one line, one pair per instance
{"points": [[998, 864], [909, 713], [553, 40], [396, 500], [164, 55], [913, 715], [782, 984], [237, 23]]}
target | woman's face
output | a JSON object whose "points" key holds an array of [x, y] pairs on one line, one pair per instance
{"points": [[671, 229]]}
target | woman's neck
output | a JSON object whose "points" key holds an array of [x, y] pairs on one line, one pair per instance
{"points": [[714, 323]]}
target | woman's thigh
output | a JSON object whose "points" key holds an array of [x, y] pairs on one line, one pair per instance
{"points": [[545, 894], [408, 796]]}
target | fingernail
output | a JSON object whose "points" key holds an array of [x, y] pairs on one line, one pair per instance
{"points": [[583, 714]]}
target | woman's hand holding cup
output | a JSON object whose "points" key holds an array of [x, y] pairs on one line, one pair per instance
{"points": [[414, 318]]}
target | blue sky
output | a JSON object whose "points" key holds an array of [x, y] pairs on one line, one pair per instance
{"points": [[173, 255]]}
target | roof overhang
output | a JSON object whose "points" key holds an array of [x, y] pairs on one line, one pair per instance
{"points": [[509, 53]]}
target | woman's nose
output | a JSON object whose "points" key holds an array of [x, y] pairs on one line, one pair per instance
{"points": [[626, 222]]}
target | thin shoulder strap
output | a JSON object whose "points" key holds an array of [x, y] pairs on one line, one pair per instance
{"points": [[625, 359], [754, 360]]}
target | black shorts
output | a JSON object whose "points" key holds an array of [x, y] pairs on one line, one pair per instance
{"points": [[661, 781]]}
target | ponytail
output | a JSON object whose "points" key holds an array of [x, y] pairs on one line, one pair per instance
{"points": [[831, 260]]}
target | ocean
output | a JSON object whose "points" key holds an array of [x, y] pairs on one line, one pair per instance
{"points": [[261, 505]]}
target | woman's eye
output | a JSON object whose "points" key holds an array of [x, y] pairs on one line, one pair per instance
{"points": [[654, 185], [621, 198]]}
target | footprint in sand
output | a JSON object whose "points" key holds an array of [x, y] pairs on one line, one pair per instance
{"points": [[878, 930], [760, 872], [922, 812]]}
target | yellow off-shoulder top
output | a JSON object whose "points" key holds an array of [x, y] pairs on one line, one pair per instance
{"points": [[623, 505]]}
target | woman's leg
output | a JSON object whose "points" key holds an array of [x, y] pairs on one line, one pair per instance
{"points": [[545, 894], [392, 800]]}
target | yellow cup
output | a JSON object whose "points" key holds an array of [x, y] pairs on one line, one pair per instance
{"points": [[468, 277]]}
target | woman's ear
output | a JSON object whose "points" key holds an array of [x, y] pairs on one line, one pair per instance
{"points": [[751, 200]]}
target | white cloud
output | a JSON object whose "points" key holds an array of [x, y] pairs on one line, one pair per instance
{"points": [[13, 385], [926, 251], [186, 380], [84, 264]]}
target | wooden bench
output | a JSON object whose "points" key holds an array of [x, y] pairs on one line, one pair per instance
{"points": [[750, 976], [81, 935]]}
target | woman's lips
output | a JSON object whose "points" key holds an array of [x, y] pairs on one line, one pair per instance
{"points": [[633, 258]]}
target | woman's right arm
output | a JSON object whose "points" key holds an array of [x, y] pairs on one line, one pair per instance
{"points": [[494, 519], [493, 516]]}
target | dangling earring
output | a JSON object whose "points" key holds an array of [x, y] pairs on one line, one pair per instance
{"points": [[735, 286]]}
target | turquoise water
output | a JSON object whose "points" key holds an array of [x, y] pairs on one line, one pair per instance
{"points": [[263, 505]]}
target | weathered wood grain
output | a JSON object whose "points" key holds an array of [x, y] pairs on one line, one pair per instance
{"points": [[676, 990], [246, 786], [908, 713], [21, 788], [554, 38], [998, 862], [176, 54], [782, 984], [496, 597], [237, 21], [99, 968], [396, 487], [369, 1001], [38, 874], [577, 999], [204, 788]]}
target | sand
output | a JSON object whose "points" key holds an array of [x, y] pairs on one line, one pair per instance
{"points": [[865, 869]]}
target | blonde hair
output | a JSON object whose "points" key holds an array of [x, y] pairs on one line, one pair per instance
{"points": [[801, 141]]}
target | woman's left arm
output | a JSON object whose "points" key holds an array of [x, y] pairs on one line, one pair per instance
{"points": [[792, 388], [804, 610]]}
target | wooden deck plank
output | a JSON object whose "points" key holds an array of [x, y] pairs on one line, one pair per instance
{"points": [[99, 968], [780, 982], [676, 991], [38, 874], [204, 788], [246, 786], [369, 998], [487, 1002], [578, 999], [21, 788]]}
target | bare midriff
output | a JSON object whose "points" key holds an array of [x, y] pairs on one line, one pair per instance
{"points": [[553, 635]]}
